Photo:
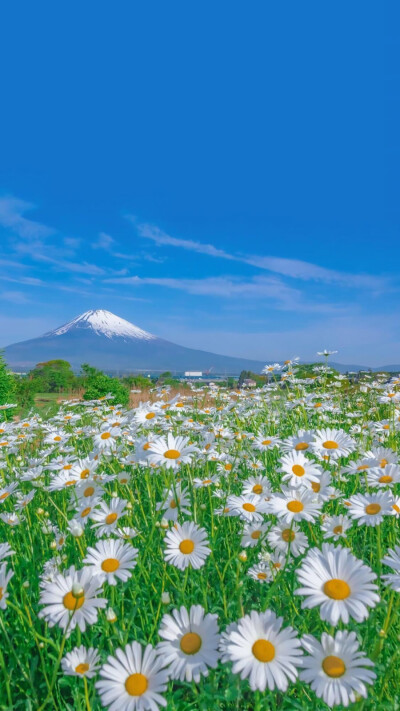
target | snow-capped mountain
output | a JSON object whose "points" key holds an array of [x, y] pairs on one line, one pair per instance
{"points": [[113, 344], [104, 323]]}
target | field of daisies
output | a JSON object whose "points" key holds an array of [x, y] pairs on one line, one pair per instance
{"points": [[229, 549]]}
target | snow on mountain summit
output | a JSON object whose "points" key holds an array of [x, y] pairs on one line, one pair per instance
{"points": [[104, 323]]}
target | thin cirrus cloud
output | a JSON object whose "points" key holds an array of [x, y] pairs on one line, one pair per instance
{"points": [[267, 288], [12, 211], [294, 268]]}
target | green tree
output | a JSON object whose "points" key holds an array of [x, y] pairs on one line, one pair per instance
{"points": [[7, 383], [98, 385], [54, 376]]}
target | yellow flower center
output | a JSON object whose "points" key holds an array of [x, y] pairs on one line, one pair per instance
{"points": [[111, 518], [105, 435], [72, 602], [295, 506], [190, 643], [330, 444], [82, 668], [301, 445], [136, 684], [383, 463], [57, 438], [66, 467], [86, 511], [266, 442], [172, 454], [334, 666], [315, 486], [255, 535], [88, 491], [146, 446], [150, 415], [173, 504], [337, 589], [396, 508], [110, 565], [362, 467], [338, 529], [263, 650], [4, 496], [372, 509], [186, 546], [257, 489], [298, 470], [385, 479], [228, 467], [288, 535], [84, 473], [249, 507], [262, 576]]}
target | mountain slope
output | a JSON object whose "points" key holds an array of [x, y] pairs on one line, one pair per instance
{"points": [[113, 344]]}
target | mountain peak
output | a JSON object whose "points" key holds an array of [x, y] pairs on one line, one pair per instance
{"points": [[103, 323]]}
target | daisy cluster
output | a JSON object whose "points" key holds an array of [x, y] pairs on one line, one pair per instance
{"points": [[230, 545]]}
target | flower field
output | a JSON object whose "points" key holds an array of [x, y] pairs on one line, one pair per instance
{"points": [[231, 549]]}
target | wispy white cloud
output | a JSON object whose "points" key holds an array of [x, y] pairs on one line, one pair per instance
{"points": [[68, 266], [261, 288], [14, 297], [12, 212], [161, 238], [104, 241], [293, 268]]}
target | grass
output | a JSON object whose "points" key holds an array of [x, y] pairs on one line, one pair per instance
{"points": [[31, 651]]}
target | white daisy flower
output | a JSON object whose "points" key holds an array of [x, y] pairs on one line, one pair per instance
{"points": [[170, 451], [263, 652], [299, 471], [337, 581], [253, 533], [336, 526], [106, 516], [5, 577], [71, 600], [332, 443], [369, 509], [258, 485], [81, 662], [295, 505], [282, 537], [301, 442], [111, 560], [260, 572], [249, 507], [335, 668], [383, 478], [186, 544], [175, 502], [133, 680], [191, 645]]}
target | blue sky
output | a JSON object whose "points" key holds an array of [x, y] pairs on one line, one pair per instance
{"points": [[224, 175]]}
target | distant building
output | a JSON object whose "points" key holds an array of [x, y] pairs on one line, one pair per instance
{"points": [[193, 373], [249, 383]]}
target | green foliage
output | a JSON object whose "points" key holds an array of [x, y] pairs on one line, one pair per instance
{"points": [[7, 383], [25, 391], [136, 381], [54, 376], [98, 385]]}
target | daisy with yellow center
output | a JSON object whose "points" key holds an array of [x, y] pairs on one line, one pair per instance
{"points": [[170, 451], [111, 560], [186, 545], [191, 643], [134, 679], [369, 509], [71, 600], [262, 652], [298, 470], [334, 579], [81, 662], [106, 516], [335, 668]]}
